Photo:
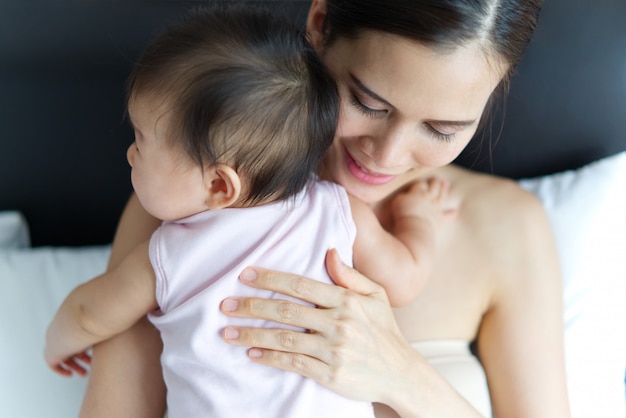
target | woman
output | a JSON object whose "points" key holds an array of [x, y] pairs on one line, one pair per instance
{"points": [[414, 81]]}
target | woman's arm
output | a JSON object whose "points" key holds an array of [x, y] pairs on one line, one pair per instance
{"points": [[520, 341], [125, 378], [354, 348]]}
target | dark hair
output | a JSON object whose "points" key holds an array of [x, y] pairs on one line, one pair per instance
{"points": [[246, 89], [503, 27]]}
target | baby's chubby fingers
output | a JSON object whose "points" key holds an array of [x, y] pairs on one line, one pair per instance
{"points": [[68, 367], [72, 365], [440, 187], [433, 187], [84, 357], [59, 369]]}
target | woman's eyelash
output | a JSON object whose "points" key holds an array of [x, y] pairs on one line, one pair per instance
{"points": [[440, 136], [369, 112], [364, 109]]}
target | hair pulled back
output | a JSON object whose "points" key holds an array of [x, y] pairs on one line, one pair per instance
{"points": [[503, 27]]}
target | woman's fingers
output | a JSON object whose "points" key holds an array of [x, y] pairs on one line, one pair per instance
{"points": [[339, 374], [353, 339], [303, 288], [349, 278], [312, 291], [276, 310], [304, 365], [277, 339], [337, 300]]}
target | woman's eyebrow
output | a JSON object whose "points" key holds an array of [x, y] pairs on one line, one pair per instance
{"points": [[457, 123], [364, 89]]}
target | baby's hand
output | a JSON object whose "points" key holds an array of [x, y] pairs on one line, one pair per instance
{"points": [[72, 365], [425, 199]]}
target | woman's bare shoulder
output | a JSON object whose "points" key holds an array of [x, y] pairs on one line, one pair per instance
{"points": [[506, 219], [507, 227], [492, 197]]}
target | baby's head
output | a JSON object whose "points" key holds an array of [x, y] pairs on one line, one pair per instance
{"points": [[242, 88]]}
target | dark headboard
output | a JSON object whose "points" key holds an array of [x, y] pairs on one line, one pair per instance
{"points": [[63, 135]]}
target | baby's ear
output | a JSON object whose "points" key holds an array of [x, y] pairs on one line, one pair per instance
{"points": [[223, 186]]}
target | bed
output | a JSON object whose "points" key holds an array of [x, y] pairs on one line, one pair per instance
{"points": [[64, 178]]}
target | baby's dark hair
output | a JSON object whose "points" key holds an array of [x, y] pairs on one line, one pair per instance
{"points": [[246, 89]]}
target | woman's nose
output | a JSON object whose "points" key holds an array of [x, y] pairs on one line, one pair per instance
{"points": [[390, 148], [130, 154]]}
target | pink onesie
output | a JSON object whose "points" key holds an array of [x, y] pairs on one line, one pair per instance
{"points": [[197, 262]]}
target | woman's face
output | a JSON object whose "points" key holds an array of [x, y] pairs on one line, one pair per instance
{"points": [[405, 109]]}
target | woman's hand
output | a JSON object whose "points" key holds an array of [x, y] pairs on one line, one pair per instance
{"points": [[353, 346]]}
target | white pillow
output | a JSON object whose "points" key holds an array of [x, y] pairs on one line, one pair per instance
{"points": [[587, 210], [13, 230], [33, 283]]}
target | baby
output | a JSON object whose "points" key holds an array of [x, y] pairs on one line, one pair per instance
{"points": [[232, 112]]}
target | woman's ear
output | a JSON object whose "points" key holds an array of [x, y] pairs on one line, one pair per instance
{"points": [[315, 23], [223, 186]]}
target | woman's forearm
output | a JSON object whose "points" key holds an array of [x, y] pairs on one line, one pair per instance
{"points": [[423, 392]]}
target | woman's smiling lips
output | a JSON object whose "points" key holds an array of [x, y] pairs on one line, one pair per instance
{"points": [[364, 175]]}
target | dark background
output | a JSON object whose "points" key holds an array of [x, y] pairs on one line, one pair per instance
{"points": [[63, 135]]}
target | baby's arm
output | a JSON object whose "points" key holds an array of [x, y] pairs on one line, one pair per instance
{"points": [[401, 258], [99, 309]]}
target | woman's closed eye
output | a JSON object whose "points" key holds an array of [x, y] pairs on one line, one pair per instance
{"points": [[366, 110], [438, 135], [447, 130]]}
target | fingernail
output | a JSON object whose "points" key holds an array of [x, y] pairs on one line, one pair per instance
{"points": [[231, 333], [255, 353], [230, 305], [248, 275]]}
